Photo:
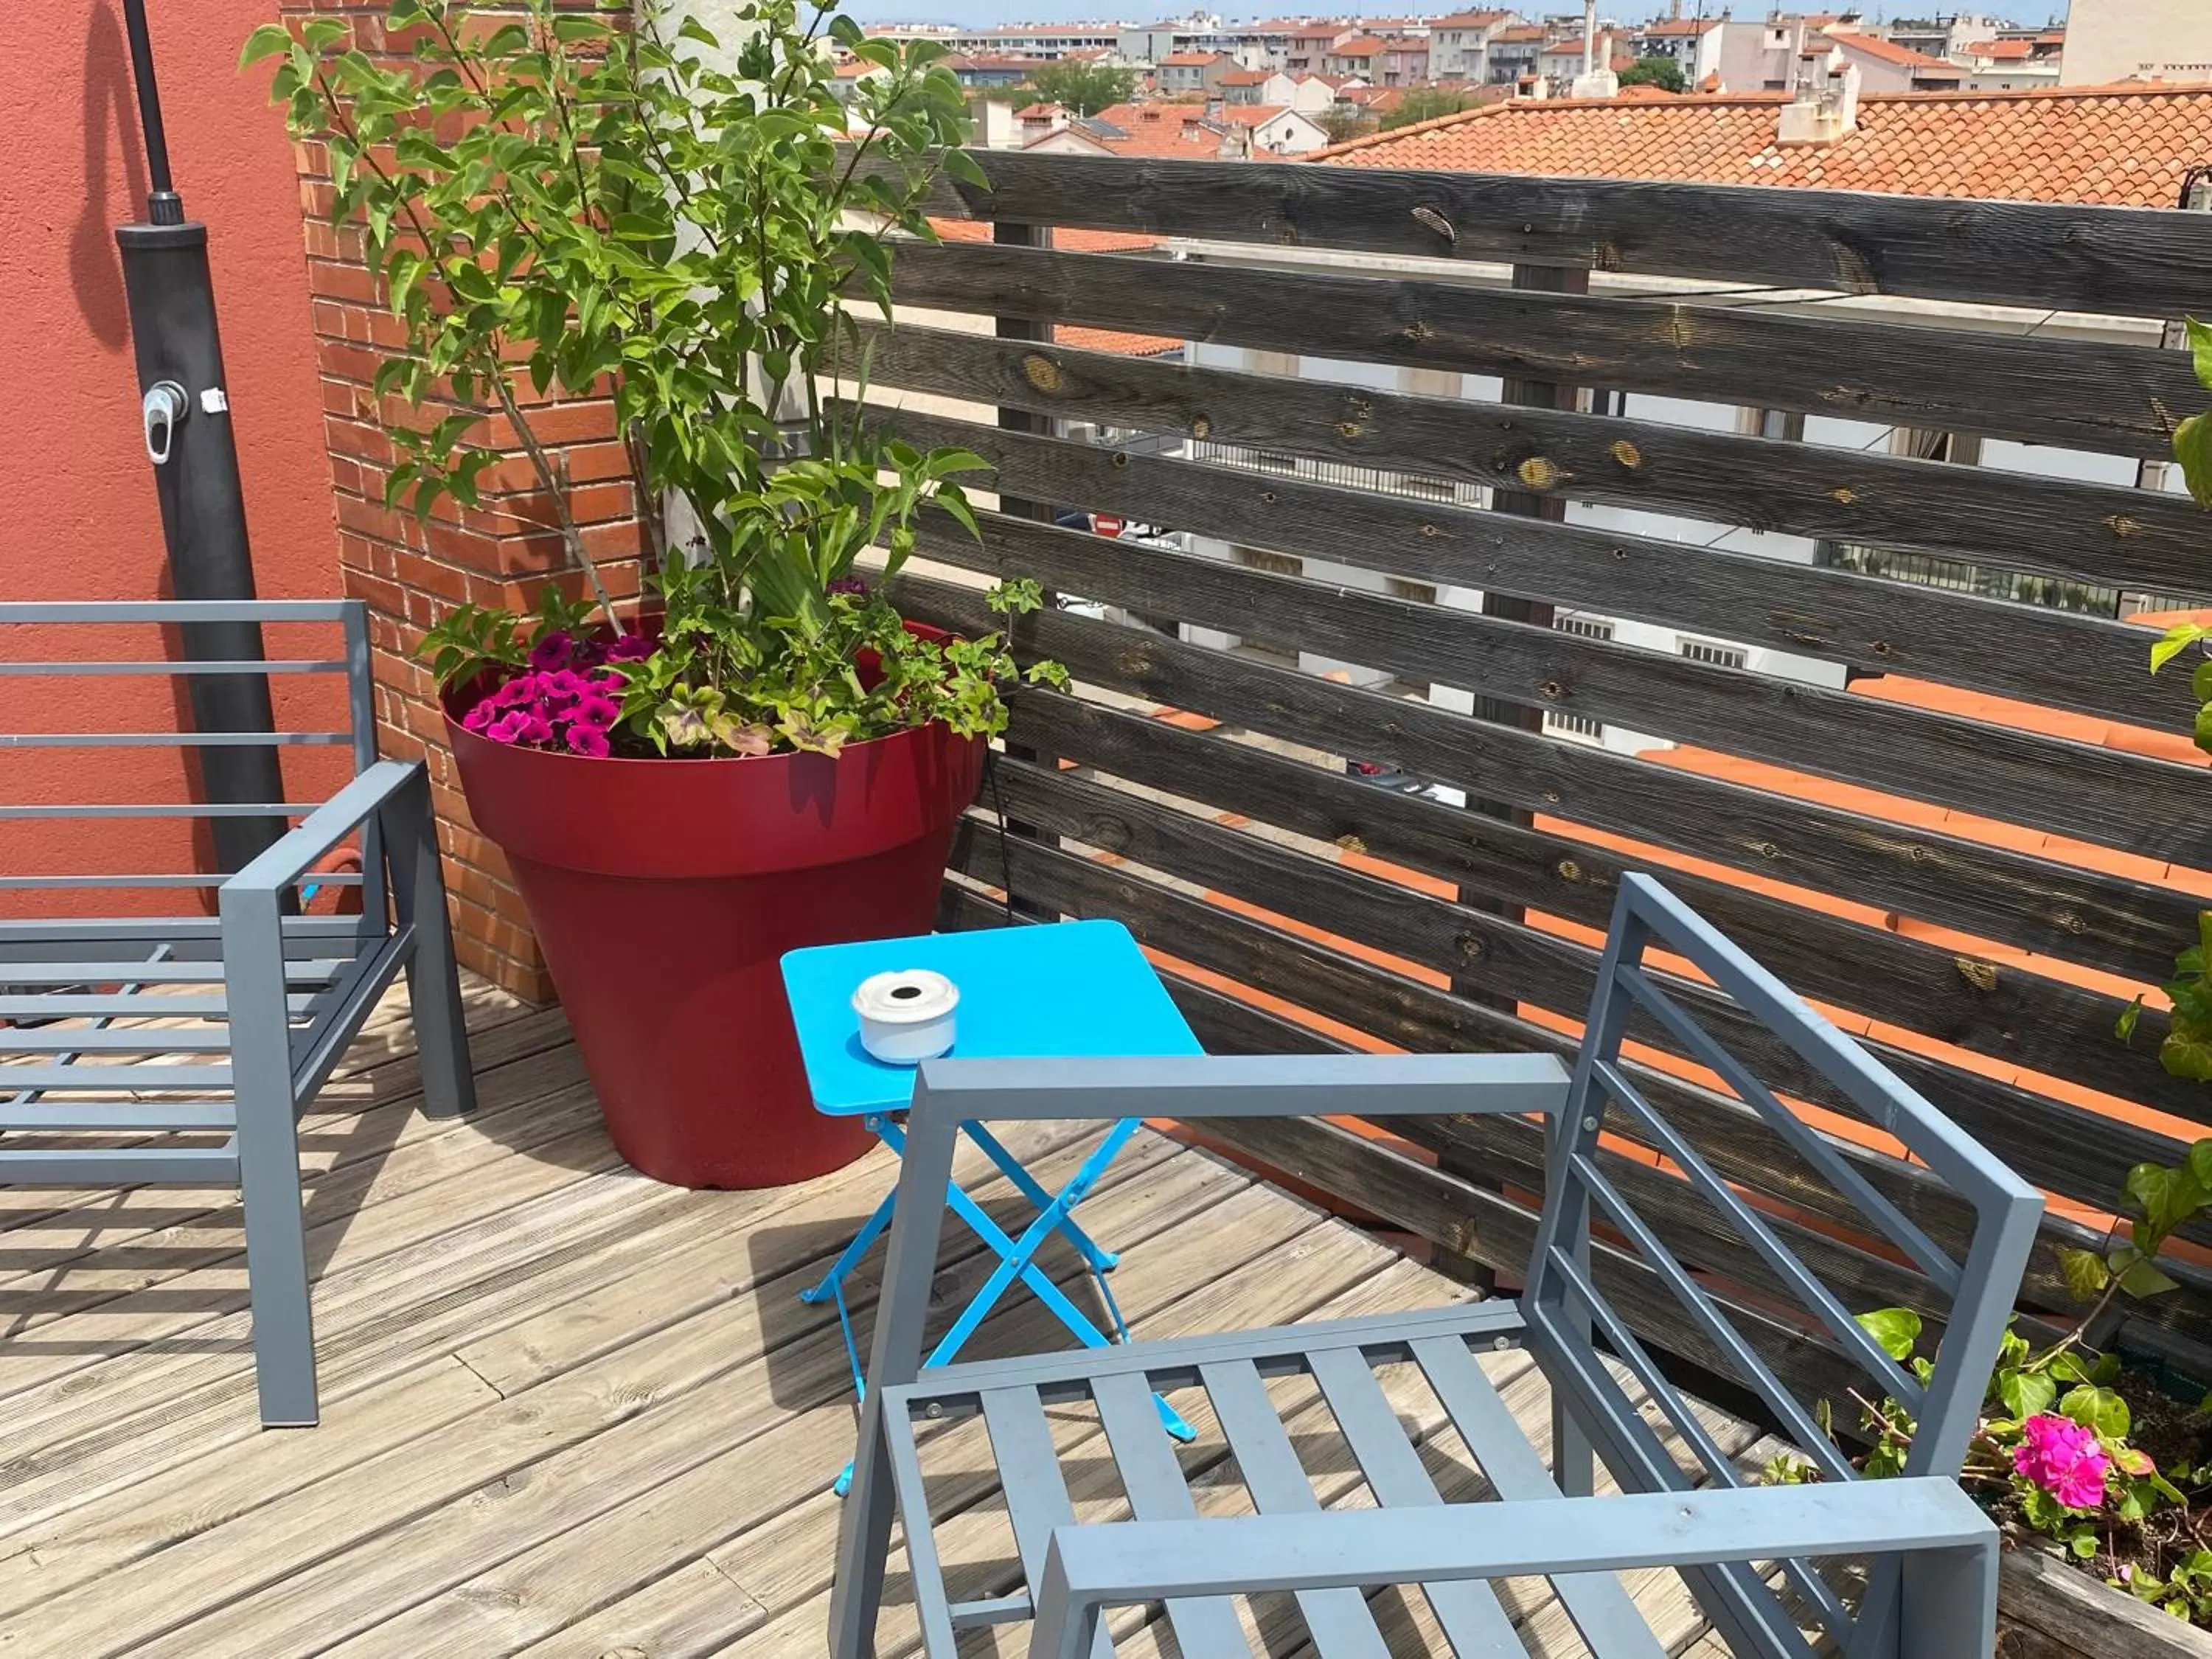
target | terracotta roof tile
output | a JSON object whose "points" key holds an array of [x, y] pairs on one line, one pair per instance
{"points": [[2109, 145], [1114, 340], [1064, 238], [1888, 51]]}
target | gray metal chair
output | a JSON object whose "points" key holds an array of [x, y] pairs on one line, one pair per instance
{"points": [[224, 1024], [1929, 1555]]}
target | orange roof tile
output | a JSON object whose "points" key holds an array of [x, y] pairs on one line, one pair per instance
{"points": [[1190, 59], [1118, 342], [2121, 146], [1360, 46], [1065, 239], [1247, 77], [1246, 115], [1469, 20], [2002, 49], [1888, 51]]}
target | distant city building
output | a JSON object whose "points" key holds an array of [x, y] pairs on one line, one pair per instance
{"points": [[1693, 45], [1212, 131], [2109, 40], [1459, 45]]}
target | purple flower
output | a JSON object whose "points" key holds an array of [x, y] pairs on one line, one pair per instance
{"points": [[478, 717], [522, 689], [588, 740], [552, 652], [2063, 1458], [630, 647], [596, 710], [508, 728], [852, 584], [561, 688]]}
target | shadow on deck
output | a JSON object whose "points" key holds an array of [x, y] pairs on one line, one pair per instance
{"points": [[567, 1411]]}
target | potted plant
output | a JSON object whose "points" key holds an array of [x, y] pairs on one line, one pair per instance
{"points": [[575, 200], [2080, 1458]]}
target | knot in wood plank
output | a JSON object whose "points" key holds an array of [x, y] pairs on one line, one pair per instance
{"points": [[1041, 372]]}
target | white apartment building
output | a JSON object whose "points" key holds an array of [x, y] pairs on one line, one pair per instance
{"points": [[2111, 41]]}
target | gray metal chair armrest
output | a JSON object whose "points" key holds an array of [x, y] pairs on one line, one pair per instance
{"points": [[322, 830], [954, 1091], [1951, 1548]]}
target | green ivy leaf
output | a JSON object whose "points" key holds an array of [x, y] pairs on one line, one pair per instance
{"points": [[2085, 1271], [2200, 350], [2176, 639], [2192, 449], [1896, 1329], [2027, 1394], [2099, 1409]]}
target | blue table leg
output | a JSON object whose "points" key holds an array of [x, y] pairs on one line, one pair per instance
{"points": [[1102, 1260], [1016, 1259], [1017, 1262]]}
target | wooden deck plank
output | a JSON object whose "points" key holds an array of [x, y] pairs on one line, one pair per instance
{"points": [[693, 1610], [1271, 1258], [430, 1514], [663, 1363], [570, 1412], [746, 1484]]}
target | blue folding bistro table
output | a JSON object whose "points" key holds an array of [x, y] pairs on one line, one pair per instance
{"points": [[1057, 990]]}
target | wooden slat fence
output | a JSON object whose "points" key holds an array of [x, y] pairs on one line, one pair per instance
{"points": [[1976, 885]]}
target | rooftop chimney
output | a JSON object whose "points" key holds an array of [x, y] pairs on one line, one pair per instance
{"points": [[1597, 79], [1825, 106]]}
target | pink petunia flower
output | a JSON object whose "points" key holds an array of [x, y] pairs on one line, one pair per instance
{"points": [[2063, 1458], [478, 717], [630, 647], [560, 687], [590, 740], [508, 728], [552, 652], [594, 710]]}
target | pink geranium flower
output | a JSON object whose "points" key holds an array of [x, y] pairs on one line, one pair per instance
{"points": [[2063, 1458]]}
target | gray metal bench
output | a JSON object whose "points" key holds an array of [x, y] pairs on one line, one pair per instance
{"points": [[221, 1027], [1748, 1552]]}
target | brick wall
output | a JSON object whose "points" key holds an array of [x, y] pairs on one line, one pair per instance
{"points": [[409, 572]]}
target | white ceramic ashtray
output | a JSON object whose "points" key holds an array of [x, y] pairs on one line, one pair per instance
{"points": [[906, 1015]]}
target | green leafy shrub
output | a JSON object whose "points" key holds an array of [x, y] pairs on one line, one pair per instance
{"points": [[599, 205]]}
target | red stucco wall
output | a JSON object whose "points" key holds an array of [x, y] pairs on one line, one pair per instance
{"points": [[77, 515]]}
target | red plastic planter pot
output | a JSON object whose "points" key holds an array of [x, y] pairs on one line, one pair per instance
{"points": [[664, 891]]}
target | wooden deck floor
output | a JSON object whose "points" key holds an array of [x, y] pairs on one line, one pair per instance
{"points": [[567, 1411]]}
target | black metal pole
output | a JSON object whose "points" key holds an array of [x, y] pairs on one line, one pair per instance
{"points": [[184, 413]]}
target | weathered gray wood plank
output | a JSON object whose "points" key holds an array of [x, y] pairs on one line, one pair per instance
{"points": [[2061, 657], [2003, 1011], [2082, 395], [1424, 1018], [2080, 915], [2152, 807], [2083, 532], [2142, 261]]}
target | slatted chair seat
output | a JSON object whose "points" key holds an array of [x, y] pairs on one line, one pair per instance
{"points": [[1761, 1560], [179, 1050]]}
